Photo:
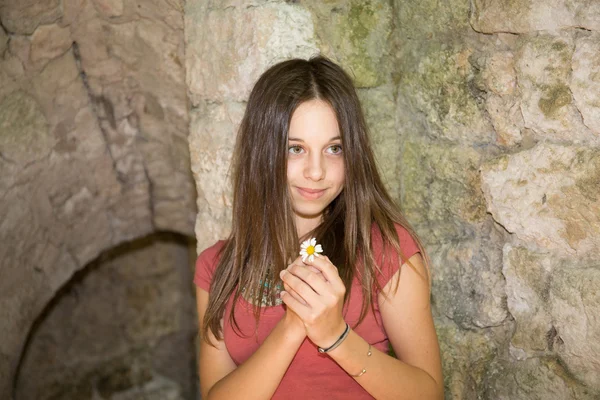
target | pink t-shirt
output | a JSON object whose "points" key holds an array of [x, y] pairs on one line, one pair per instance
{"points": [[311, 374]]}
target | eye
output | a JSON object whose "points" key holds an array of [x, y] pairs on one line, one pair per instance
{"points": [[295, 149], [335, 149]]}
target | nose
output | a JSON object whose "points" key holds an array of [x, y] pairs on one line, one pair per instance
{"points": [[314, 168]]}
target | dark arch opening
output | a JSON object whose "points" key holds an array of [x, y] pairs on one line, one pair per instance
{"points": [[124, 326]]}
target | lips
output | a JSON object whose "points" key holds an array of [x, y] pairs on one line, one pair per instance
{"points": [[311, 194]]}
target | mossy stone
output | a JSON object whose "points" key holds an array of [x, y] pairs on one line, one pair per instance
{"points": [[443, 85], [432, 19], [442, 190], [355, 34], [23, 129], [379, 107], [554, 99]]}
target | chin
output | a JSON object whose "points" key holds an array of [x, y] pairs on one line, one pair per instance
{"points": [[309, 211], [309, 214]]}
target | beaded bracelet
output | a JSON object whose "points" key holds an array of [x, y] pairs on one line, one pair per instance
{"points": [[337, 342]]}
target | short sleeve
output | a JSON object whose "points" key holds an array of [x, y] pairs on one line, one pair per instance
{"points": [[389, 261], [206, 263]]}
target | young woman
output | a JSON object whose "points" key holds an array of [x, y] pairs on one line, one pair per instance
{"points": [[278, 325]]}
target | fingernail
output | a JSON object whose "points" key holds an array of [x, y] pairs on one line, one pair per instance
{"points": [[282, 273]]}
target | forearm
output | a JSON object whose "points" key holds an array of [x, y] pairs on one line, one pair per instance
{"points": [[258, 377], [386, 377]]}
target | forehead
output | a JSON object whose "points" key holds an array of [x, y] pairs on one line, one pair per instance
{"points": [[314, 117]]}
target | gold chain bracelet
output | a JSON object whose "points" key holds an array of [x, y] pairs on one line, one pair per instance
{"points": [[364, 370]]}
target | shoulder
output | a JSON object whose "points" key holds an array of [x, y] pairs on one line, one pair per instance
{"points": [[406, 240], [206, 263], [387, 257], [211, 254]]}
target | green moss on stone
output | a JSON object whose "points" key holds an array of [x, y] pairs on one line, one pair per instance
{"points": [[551, 52], [425, 19], [442, 84], [379, 106], [356, 34], [589, 185], [23, 128], [442, 188], [555, 98]]}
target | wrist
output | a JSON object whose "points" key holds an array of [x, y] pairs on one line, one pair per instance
{"points": [[293, 327], [335, 340]]}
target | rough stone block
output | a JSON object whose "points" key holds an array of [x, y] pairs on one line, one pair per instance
{"points": [[499, 74], [547, 196], [24, 137], [528, 279], [3, 41], [575, 308], [355, 34], [441, 87], [555, 303], [11, 70], [431, 19], [466, 357], [48, 42], [467, 283], [109, 8], [585, 79], [543, 65], [213, 129], [379, 105], [228, 48], [24, 16], [443, 194], [522, 16], [507, 119], [535, 379]]}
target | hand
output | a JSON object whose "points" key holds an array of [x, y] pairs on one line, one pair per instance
{"points": [[294, 323], [300, 264], [316, 297]]}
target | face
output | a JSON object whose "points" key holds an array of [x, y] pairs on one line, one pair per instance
{"points": [[315, 163]]}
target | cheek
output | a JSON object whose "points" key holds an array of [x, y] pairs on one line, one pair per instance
{"points": [[291, 170], [340, 174]]}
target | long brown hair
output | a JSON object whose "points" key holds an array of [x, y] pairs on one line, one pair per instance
{"points": [[263, 239]]}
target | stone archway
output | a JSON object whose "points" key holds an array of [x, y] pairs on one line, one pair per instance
{"points": [[484, 118], [122, 327], [93, 150]]}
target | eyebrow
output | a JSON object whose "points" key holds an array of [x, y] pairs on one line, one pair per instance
{"points": [[300, 140]]}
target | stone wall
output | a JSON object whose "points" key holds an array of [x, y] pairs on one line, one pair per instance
{"points": [[486, 121], [485, 116], [500, 175], [122, 328], [93, 144]]}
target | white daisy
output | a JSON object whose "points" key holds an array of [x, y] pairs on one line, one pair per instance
{"points": [[309, 249]]}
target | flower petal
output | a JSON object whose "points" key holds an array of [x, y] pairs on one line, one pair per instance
{"points": [[319, 248], [313, 241]]}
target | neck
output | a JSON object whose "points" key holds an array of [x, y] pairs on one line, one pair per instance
{"points": [[305, 225]]}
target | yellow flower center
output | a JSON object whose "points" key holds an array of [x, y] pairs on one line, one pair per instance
{"points": [[310, 250]]}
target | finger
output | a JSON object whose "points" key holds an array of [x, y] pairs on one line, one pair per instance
{"points": [[328, 270], [299, 286], [294, 305], [293, 293], [317, 284], [316, 271], [298, 262]]}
